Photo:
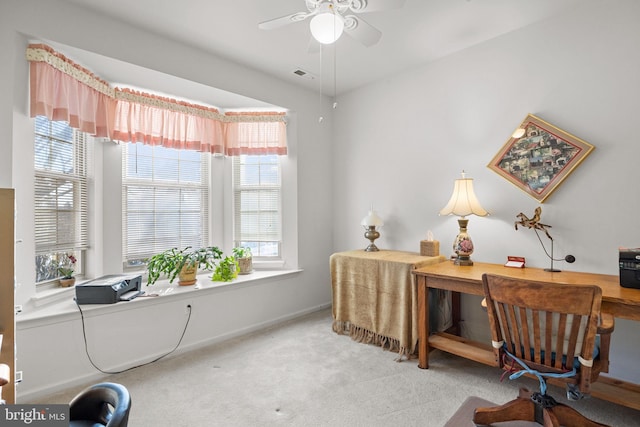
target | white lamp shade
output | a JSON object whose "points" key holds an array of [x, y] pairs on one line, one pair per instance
{"points": [[372, 219], [463, 201], [327, 26]]}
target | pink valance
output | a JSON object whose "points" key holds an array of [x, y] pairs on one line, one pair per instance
{"points": [[63, 90], [154, 120], [255, 133]]}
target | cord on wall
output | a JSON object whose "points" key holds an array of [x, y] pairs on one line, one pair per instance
{"points": [[86, 349]]}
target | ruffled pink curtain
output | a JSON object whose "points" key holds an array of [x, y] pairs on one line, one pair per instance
{"points": [[59, 92], [155, 120], [255, 133], [63, 90]]}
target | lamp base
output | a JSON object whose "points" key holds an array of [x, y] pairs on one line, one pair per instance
{"points": [[462, 260], [371, 248], [463, 246], [372, 234]]}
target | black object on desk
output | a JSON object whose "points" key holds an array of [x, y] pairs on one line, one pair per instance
{"points": [[630, 267]]}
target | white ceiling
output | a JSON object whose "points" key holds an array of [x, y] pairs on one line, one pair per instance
{"points": [[419, 32]]}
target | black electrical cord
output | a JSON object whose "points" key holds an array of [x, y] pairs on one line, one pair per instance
{"points": [[86, 349]]}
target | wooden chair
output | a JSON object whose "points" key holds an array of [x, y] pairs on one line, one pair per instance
{"points": [[546, 330]]}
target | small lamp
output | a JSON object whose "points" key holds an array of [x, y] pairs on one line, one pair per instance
{"points": [[327, 26], [370, 223], [463, 202]]}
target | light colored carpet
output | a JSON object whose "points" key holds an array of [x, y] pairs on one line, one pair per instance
{"points": [[300, 373]]}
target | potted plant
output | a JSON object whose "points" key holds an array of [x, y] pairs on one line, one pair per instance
{"points": [[244, 257], [226, 270], [183, 263], [66, 267]]}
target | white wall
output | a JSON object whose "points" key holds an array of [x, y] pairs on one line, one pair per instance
{"points": [[401, 142], [51, 354]]}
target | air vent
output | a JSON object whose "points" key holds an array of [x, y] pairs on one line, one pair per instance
{"points": [[304, 74]]}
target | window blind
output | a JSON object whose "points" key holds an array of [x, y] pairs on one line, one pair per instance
{"points": [[61, 200], [257, 204], [165, 200]]}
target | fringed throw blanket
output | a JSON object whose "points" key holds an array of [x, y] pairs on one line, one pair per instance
{"points": [[375, 300]]}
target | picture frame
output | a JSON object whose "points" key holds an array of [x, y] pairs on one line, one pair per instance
{"points": [[538, 157]]}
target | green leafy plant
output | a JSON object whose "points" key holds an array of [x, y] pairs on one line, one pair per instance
{"points": [[171, 261], [226, 270], [242, 252]]}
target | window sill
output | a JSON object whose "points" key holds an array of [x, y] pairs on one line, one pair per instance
{"points": [[52, 295], [57, 304]]}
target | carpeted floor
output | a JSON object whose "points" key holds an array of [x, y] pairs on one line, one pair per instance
{"points": [[301, 373]]}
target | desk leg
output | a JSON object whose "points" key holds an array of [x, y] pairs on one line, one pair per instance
{"points": [[423, 323]]}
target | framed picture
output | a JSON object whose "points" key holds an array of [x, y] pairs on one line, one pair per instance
{"points": [[538, 157]]}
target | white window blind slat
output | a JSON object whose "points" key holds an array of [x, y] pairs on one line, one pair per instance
{"points": [[61, 215], [60, 190], [165, 200]]}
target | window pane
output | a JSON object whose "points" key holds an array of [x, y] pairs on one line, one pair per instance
{"points": [[60, 196], [165, 200], [257, 204]]}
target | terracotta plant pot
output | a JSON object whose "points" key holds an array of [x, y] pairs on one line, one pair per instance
{"points": [[246, 265], [187, 275], [66, 283]]}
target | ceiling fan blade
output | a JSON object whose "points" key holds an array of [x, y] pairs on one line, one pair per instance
{"points": [[284, 20], [360, 6], [362, 31]]}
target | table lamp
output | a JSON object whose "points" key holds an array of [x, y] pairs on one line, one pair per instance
{"points": [[370, 223], [463, 202]]}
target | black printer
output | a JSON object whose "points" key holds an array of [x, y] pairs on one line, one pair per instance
{"points": [[109, 289], [630, 267]]}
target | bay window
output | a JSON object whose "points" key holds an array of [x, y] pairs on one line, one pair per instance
{"points": [[168, 196]]}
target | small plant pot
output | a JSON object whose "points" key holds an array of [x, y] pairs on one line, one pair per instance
{"points": [[246, 265], [187, 275], [67, 283]]}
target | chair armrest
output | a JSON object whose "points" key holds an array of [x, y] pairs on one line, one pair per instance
{"points": [[605, 328], [606, 324]]}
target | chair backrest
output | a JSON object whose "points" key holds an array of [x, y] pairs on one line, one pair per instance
{"points": [[106, 403], [547, 326]]}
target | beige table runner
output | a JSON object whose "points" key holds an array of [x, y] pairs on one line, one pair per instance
{"points": [[375, 298]]}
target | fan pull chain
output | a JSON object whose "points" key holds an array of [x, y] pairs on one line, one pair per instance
{"points": [[335, 76], [321, 118]]}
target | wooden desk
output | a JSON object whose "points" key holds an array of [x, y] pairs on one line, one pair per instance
{"points": [[375, 299], [620, 302]]}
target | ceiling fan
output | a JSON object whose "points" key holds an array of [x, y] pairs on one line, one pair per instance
{"points": [[329, 19]]}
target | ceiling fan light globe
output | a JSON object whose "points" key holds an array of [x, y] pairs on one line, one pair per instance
{"points": [[326, 27]]}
